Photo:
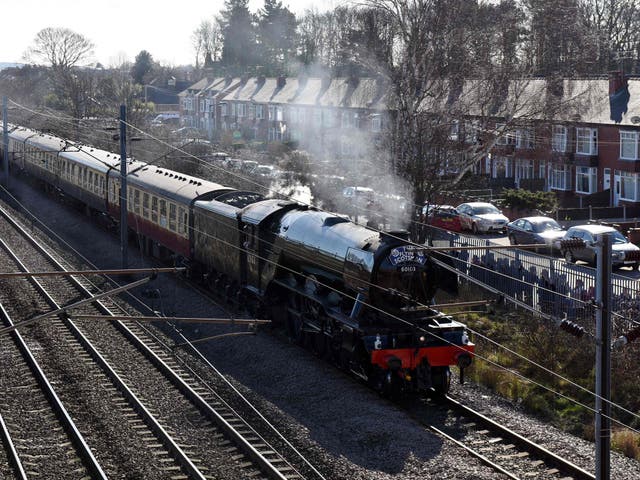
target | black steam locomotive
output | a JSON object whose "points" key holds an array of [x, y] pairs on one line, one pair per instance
{"points": [[352, 294]]}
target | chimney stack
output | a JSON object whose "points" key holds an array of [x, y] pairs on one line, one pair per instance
{"points": [[281, 82], [617, 80]]}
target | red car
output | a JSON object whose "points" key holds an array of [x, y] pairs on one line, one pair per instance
{"points": [[442, 216]]}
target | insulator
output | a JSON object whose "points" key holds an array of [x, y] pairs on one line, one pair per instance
{"points": [[572, 328], [571, 243]]}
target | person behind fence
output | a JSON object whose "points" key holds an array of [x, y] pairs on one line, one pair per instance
{"points": [[576, 300], [546, 292], [530, 282]]}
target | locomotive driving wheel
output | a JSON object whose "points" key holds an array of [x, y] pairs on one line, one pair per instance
{"points": [[440, 381]]}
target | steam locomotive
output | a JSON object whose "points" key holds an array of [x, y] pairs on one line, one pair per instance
{"points": [[354, 295]]}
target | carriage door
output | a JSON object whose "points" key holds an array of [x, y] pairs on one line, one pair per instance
{"points": [[250, 252]]}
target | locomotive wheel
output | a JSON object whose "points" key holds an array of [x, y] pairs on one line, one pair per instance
{"points": [[440, 381]]}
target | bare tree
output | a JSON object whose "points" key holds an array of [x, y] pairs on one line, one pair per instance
{"points": [[207, 42], [64, 50]]}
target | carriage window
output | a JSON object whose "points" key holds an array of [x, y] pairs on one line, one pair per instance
{"points": [[182, 221], [154, 209], [101, 186], [172, 216], [90, 181], [163, 213], [136, 201], [84, 177], [95, 183], [145, 205], [130, 200]]}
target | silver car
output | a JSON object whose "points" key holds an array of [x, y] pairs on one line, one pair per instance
{"points": [[587, 233], [481, 217]]}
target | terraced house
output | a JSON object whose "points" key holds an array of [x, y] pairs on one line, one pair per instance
{"points": [[586, 148]]}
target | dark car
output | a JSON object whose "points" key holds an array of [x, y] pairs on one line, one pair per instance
{"points": [[588, 234], [543, 231], [442, 216]]}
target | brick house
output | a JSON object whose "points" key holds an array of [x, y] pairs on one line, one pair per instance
{"points": [[580, 153]]}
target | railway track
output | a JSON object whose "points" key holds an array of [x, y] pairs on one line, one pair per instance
{"points": [[175, 417], [509, 453]]}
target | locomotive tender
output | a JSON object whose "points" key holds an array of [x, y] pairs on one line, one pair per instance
{"points": [[352, 294]]}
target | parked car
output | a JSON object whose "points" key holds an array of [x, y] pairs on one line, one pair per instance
{"points": [[620, 245], [542, 231], [481, 217], [248, 166], [265, 171], [192, 132], [442, 216]]}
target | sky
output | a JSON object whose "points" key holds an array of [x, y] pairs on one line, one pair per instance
{"points": [[121, 29]]}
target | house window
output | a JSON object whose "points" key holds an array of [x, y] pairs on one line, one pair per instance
{"points": [[327, 118], [293, 114], [347, 120], [223, 109], [504, 138], [376, 123], [188, 103], [524, 138], [628, 145], [279, 113], [559, 142], [242, 110], [524, 169], [202, 105], [587, 141], [232, 106], [502, 168], [455, 130], [628, 186], [559, 177], [317, 117], [586, 178], [471, 132], [259, 112]]}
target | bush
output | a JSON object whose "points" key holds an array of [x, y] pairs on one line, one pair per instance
{"points": [[528, 200], [626, 442]]}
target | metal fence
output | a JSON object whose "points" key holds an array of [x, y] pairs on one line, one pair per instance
{"points": [[545, 284]]}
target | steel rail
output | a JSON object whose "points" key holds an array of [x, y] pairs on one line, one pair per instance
{"points": [[91, 462], [274, 468], [574, 470], [166, 439], [14, 458]]}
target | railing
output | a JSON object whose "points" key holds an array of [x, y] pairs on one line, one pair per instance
{"points": [[544, 283]]}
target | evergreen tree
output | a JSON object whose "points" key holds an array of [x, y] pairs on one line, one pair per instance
{"points": [[239, 38], [142, 66], [277, 36]]}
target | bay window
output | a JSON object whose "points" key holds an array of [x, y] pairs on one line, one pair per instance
{"points": [[628, 186], [560, 177], [586, 178]]}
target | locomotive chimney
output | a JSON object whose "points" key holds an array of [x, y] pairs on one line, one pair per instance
{"points": [[394, 236]]}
